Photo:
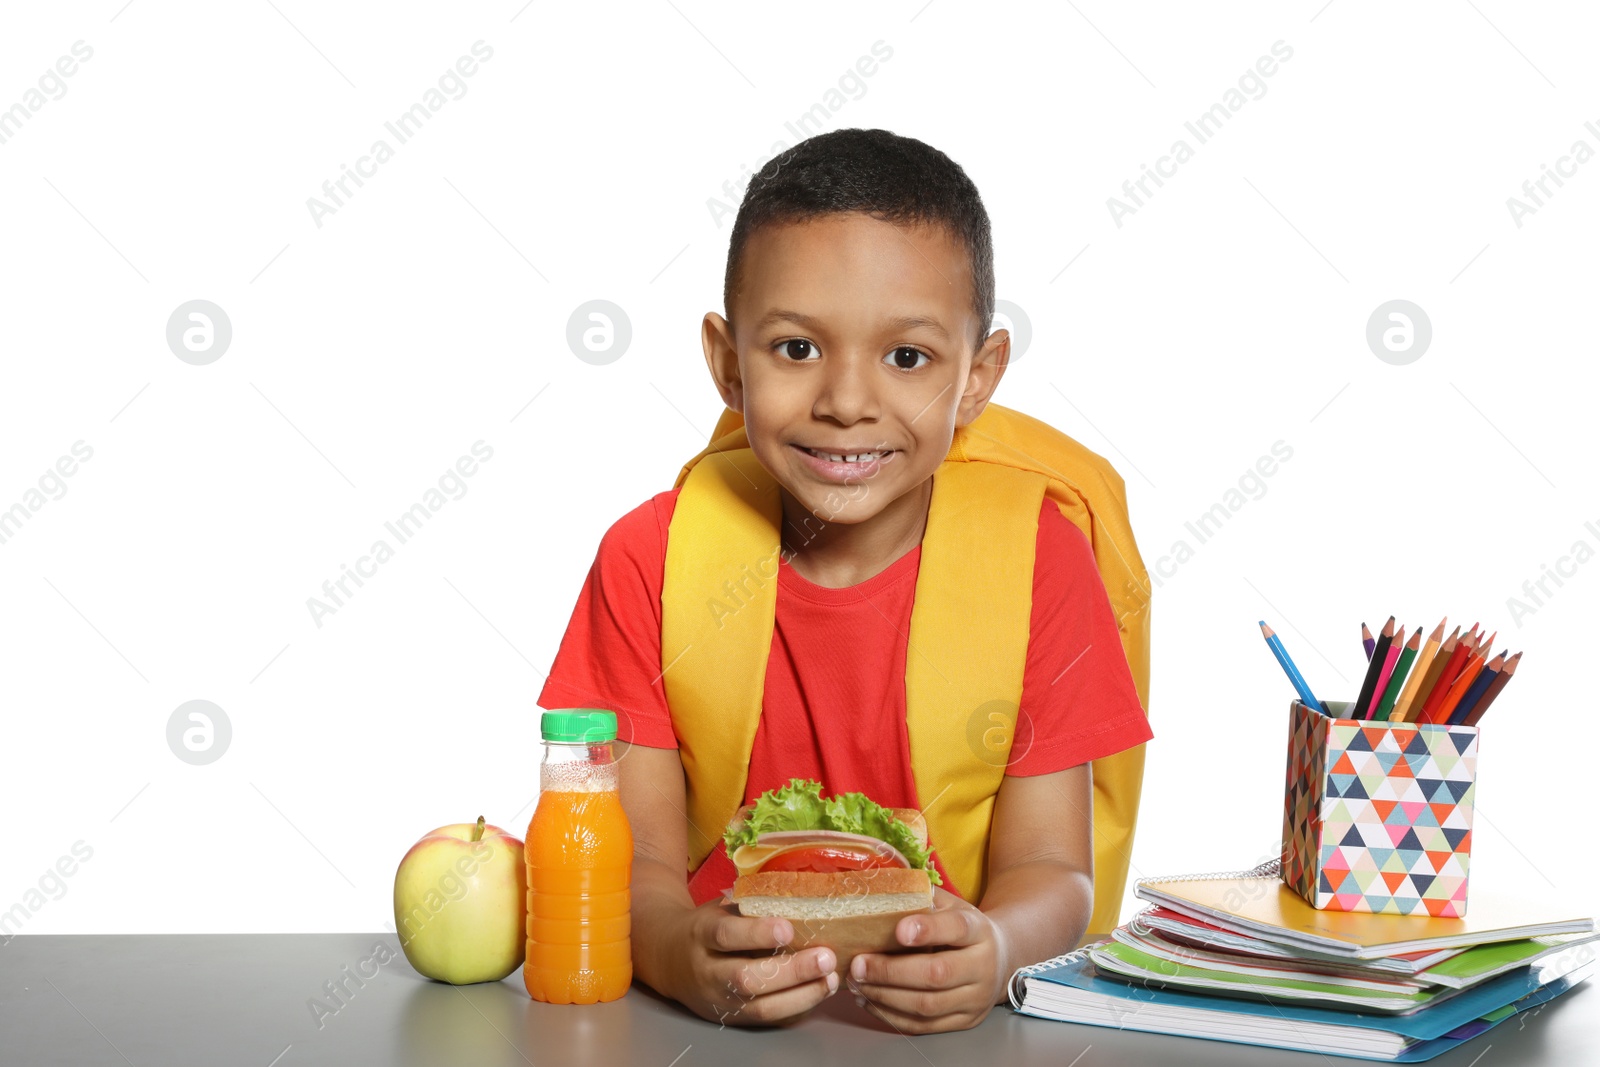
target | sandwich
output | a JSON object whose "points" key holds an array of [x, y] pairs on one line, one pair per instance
{"points": [[844, 870]]}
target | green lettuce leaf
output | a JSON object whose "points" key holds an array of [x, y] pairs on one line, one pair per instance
{"points": [[800, 806]]}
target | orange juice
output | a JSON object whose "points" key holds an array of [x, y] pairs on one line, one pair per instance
{"points": [[579, 853]]}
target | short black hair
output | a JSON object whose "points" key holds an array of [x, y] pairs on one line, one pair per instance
{"points": [[888, 177]]}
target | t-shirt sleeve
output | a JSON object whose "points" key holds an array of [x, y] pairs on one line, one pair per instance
{"points": [[1078, 698], [610, 655]]}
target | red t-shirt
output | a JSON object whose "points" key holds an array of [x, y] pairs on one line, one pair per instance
{"points": [[834, 706]]}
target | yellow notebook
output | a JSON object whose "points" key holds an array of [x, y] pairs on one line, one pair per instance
{"points": [[1257, 903]]}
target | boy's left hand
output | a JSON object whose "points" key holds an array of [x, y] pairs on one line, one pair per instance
{"points": [[951, 987]]}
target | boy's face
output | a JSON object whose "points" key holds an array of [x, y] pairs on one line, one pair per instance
{"points": [[854, 339]]}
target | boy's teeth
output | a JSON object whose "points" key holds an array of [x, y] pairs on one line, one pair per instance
{"points": [[858, 457]]}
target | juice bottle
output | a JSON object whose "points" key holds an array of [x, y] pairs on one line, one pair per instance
{"points": [[579, 851]]}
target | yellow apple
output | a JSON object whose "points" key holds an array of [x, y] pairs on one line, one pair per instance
{"points": [[461, 903]]}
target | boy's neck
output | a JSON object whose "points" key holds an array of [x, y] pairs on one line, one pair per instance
{"points": [[840, 554]]}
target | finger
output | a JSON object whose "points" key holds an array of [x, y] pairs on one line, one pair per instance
{"points": [[920, 1003], [776, 1005], [916, 970], [748, 979], [954, 926], [745, 933], [916, 1024]]}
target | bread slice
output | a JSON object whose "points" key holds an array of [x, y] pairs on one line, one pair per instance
{"points": [[850, 911], [813, 895], [851, 936]]}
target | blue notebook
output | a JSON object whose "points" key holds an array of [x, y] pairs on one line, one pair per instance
{"points": [[1068, 989]]}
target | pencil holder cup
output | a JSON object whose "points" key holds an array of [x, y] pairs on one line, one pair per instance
{"points": [[1377, 816]]}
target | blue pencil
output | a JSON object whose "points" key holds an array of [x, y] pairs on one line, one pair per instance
{"points": [[1480, 685], [1307, 697]]}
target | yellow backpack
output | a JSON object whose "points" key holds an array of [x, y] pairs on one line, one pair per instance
{"points": [[965, 660]]}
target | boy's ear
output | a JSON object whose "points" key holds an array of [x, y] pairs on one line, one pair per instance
{"points": [[722, 358], [988, 364]]}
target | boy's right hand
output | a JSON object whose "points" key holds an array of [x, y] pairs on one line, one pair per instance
{"points": [[723, 966], [740, 974]]}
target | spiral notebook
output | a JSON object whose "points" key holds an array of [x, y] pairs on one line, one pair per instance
{"points": [[1068, 989], [1257, 903]]}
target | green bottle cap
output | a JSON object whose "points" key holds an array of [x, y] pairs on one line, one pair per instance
{"points": [[579, 725]]}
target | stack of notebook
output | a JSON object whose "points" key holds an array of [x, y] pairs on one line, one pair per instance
{"points": [[1241, 957]]}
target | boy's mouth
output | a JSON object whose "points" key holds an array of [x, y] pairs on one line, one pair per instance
{"points": [[844, 465], [851, 456]]}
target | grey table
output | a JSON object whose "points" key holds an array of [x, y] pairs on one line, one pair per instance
{"points": [[245, 999]]}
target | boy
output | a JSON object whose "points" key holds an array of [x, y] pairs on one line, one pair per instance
{"points": [[859, 292]]}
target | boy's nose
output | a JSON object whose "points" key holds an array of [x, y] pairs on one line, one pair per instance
{"points": [[848, 391]]}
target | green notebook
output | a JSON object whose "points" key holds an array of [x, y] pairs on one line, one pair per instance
{"points": [[1486, 961], [1130, 963]]}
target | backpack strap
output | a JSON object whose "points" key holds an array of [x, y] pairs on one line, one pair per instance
{"points": [[718, 601], [966, 654]]}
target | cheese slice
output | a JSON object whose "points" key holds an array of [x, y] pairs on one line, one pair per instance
{"points": [[750, 858]]}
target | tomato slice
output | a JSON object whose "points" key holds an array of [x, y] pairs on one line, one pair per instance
{"points": [[826, 860]]}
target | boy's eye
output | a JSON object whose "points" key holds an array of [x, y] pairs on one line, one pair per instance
{"points": [[797, 349], [906, 357]]}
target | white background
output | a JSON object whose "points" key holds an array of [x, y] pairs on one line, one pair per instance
{"points": [[424, 315]]}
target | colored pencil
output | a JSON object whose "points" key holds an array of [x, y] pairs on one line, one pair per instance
{"points": [[1390, 659], [1494, 690], [1458, 688], [1374, 668], [1408, 655], [1295, 677], [1420, 667], [1471, 639], [1367, 640], [1452, 668], [1441, 687], [1480, 685], [1431, 680]]}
